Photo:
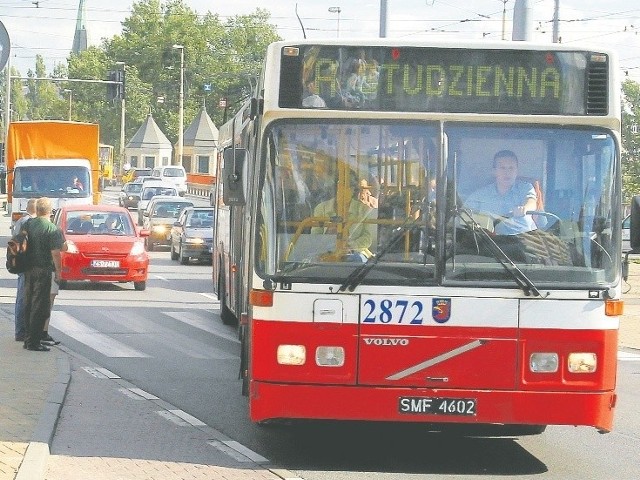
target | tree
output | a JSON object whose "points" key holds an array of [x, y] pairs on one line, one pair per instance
{"points": [[226, 55], [630, 140]]}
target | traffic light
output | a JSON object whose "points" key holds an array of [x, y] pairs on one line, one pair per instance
{"points": [[112, 88], [120, 86], [115, 90]]}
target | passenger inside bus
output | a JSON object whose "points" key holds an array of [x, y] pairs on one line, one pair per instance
{"points": [[358, 234]]}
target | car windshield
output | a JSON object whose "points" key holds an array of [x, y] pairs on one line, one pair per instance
{"points": [[149, 192], [83, 222], [173, 172], [200, 218], [412, 197], [169, 209]]}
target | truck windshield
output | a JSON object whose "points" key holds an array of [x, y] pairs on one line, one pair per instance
{"points": [[338, 195], [63, 181]]}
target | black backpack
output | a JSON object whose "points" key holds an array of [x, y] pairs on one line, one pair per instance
{"points": [[18, 250]]}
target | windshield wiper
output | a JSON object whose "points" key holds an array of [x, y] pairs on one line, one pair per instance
{"points": [[355, 277], [518, 275]]}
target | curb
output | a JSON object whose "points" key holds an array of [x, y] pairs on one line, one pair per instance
{"points": [[34, 464]]}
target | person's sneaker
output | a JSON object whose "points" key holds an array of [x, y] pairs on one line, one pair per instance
{"points": [[48, 340], [38, 348]]}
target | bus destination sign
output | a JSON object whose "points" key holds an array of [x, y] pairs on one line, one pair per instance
{"points": [[428, 79]]}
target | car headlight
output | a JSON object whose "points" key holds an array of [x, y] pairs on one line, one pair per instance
{"points": [[137, 248], [71, 247], [159, 228]]}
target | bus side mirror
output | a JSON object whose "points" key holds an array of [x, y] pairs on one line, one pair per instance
{"points": [[634, 229], [256, 108], [232, 181]]}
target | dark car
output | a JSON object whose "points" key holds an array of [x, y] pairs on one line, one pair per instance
{"points": [[130, 195], [159, 217], [192, 235]]}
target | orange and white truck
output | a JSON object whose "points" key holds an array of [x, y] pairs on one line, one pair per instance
{"points": [[55, 159]]}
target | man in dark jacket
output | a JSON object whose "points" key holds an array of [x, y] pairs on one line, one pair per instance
{"points": [[45, 242]]}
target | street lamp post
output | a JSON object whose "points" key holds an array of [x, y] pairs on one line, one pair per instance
{"points": [[70, 92], [122, 119], [336, 10], [181, 107]]}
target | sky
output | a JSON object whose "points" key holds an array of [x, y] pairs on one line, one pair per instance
{"points": [[46, 27]]}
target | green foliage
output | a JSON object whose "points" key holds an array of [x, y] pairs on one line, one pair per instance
{"points": [[224, 54], [630, 140]]}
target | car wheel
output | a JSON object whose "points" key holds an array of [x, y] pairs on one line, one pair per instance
{"points": [[62, 284], [140, 285], [174, 254], [183, 260]]}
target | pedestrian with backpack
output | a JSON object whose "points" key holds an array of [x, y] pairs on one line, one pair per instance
{"points": [[45, 242], [20, 331]]}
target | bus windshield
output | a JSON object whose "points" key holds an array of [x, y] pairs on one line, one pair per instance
{"points": [[439, 203]]}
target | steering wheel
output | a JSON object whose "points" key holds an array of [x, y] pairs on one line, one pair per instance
{"points": [[548, 215]]}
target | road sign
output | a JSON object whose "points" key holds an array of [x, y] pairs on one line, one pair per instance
{"points": [[5, 46]]}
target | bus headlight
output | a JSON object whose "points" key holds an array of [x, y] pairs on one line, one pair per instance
{"points": [[291, 354], [330, 356], [543, 362], [582, 362]]}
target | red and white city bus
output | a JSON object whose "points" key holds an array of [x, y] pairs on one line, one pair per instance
{"points": [[375, 268]]}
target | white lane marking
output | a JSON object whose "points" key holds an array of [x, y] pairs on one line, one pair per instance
{"points": [[210, 297], [628, 356], [172, 418], [228, 451], [143, 394], [107, 373], [159, 277], [209, 325], [188, 418], [130, 394], [156, 331], [250, 454], [96, 372], [92, 338]]}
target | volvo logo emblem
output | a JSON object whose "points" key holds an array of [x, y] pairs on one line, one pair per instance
{"points": [[386, 341]]}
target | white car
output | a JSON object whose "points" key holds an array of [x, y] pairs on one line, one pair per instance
{"points": [[174, 175], [150, 191]]}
